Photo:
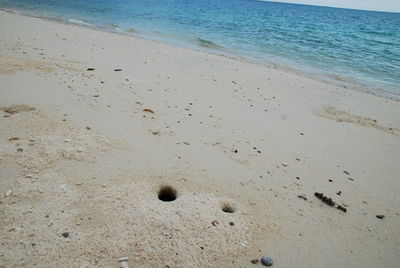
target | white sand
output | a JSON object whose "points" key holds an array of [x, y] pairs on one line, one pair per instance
{"points": [[93, 160]]}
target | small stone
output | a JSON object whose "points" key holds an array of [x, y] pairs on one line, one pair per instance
{"points": [[67, 140], [90, 69], [8, 193], [123, 259], [267, 261], [231, 223], [20, 150], [214, 222], [346, 172], [255, 261], [285, 164], [28, 176], [66, 234], [380, 216]]}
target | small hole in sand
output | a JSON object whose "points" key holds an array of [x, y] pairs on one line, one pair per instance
{"points": [[227, 208], [167, 194]]}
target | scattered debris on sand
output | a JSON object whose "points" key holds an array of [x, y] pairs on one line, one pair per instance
{"points": [[325, 199], [302, 197], [255, 261], [329, 201], [148, 110], [17, 108]]}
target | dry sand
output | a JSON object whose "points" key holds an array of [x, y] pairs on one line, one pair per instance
{"points": [[84, 154]]}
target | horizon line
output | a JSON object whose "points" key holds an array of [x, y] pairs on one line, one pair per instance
{"points": [[350, 8]]}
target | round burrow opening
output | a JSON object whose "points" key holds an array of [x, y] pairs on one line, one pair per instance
{"points": [[228, 208], [167, 194]]}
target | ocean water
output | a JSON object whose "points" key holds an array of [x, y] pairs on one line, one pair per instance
{"points": [[357, 48]]}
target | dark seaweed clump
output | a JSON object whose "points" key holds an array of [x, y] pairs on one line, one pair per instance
{"points": [[329, 201], [339, 207], [325, 199]]}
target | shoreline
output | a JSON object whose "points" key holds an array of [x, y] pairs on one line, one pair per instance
{"points": [[119, 147], [330, 78]]}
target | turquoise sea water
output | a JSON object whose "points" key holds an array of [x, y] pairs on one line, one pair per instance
{"points": [[357, 48]]}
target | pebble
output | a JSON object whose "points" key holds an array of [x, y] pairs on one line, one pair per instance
{"points": [[66, 234], [285, 164], [8, 193], [255, 261], [267, 261], [28, 176], [20, 150], [380, 216], [123, 259], [214, 222]]}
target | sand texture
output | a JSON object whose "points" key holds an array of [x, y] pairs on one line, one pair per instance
{"points": [[94, 124]]}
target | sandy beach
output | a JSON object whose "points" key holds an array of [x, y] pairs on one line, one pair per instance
{"points": [[97, 127]]}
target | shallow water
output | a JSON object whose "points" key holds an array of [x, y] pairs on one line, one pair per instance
{"points": [[352, 47]]}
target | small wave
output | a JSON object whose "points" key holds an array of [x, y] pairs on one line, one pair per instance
{"points": [[79, 22], [131, 30], [207, 43]]}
